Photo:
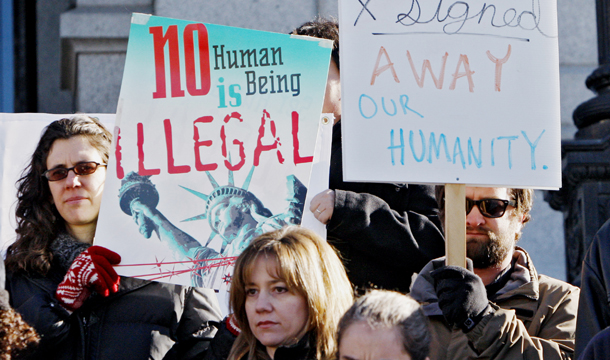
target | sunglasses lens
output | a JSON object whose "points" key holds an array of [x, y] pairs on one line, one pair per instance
{"points": [[469, 205], [85, 168], [492, 207], [57, 174]]}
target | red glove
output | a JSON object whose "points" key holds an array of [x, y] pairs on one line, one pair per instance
{"points": [[92, 269]]}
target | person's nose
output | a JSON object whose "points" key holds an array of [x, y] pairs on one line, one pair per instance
{"points": [[72, 180], [263, 302], [474, 217]]}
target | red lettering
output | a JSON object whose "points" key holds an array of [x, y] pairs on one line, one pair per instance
{"points": [[499, 63], [204, 59], [426, 65], [467, 73], [259, 143], [120, 173], [171, 168], [223, 137], [159, 41], [295, 141], [141, 170], [198, 164], [389, 65]]}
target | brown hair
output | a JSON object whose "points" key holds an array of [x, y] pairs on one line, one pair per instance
{"points": [[323, 29], [38, 221], [310, 267]]}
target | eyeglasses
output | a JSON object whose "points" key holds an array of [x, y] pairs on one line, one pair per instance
{"points": [[84, 168], [490, 208]]}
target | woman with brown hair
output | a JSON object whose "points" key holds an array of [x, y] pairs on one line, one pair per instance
{"points": [[288, 292], [67, 289]]}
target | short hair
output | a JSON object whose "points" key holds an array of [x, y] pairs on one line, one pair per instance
{"points": [[391, 310], [38, 221], [324, 29], [311, 268], [523, 197]]}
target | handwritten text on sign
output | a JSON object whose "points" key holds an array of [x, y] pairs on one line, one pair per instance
{"points": [[451, 92]]}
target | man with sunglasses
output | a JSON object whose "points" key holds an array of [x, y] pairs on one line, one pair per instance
{"points": [[499, 307]]}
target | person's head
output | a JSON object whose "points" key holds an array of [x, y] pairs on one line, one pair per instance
{"points": [[288, 283], [383, 325], [494, 226], [327, 29], [49, 203]]}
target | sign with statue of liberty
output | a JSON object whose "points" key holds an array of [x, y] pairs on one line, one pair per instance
{"points": [[213, 144]]}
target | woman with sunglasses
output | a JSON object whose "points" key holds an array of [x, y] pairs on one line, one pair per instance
{"points": [[68, 289]]}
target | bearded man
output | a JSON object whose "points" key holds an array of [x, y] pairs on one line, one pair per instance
{"points": [[499, 307]]}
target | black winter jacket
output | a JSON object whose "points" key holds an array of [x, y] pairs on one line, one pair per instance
{"points": [[384, 232], [594, 303], [224, 339], [142, 320]]}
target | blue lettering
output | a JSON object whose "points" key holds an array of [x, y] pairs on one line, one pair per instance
{"points": [[492, 153], [384, 109], [471, 151], [221, 94], [533, 147], [360, 107], [235, 95], [509, 138], [423, 146], [437, 149], [401, 147], [457, 150], [404, 100]]}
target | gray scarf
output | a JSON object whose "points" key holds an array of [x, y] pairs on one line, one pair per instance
{"points": [[65, 249]]}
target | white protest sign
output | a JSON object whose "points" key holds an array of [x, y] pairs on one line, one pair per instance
{"points": [[214, 142], [451, 92]]}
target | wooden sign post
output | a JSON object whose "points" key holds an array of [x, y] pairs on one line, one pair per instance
{"points": [[455, 224]]}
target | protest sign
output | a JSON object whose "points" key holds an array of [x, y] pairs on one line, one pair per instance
{"points": [[19, 135], [216, 128], [462, 92]]}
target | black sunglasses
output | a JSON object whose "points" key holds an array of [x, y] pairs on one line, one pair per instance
{"points": [[84, 168], [490, 208]]}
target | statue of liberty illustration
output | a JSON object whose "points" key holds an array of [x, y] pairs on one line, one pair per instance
{"points": [[233, 213]]}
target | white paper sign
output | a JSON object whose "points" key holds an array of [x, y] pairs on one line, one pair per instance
{"points": [[451, 92]]}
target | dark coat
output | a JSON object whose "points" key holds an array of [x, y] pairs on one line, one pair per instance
{"points": [[594, 310], [224, 339], [384, 232], [142, 320], [598, 348]]}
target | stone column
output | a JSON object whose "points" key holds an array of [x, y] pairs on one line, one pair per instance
{"points": [[585, 196], [93, 46]]}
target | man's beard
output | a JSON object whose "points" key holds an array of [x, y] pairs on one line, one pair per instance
{"points": [[490, 253]]}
